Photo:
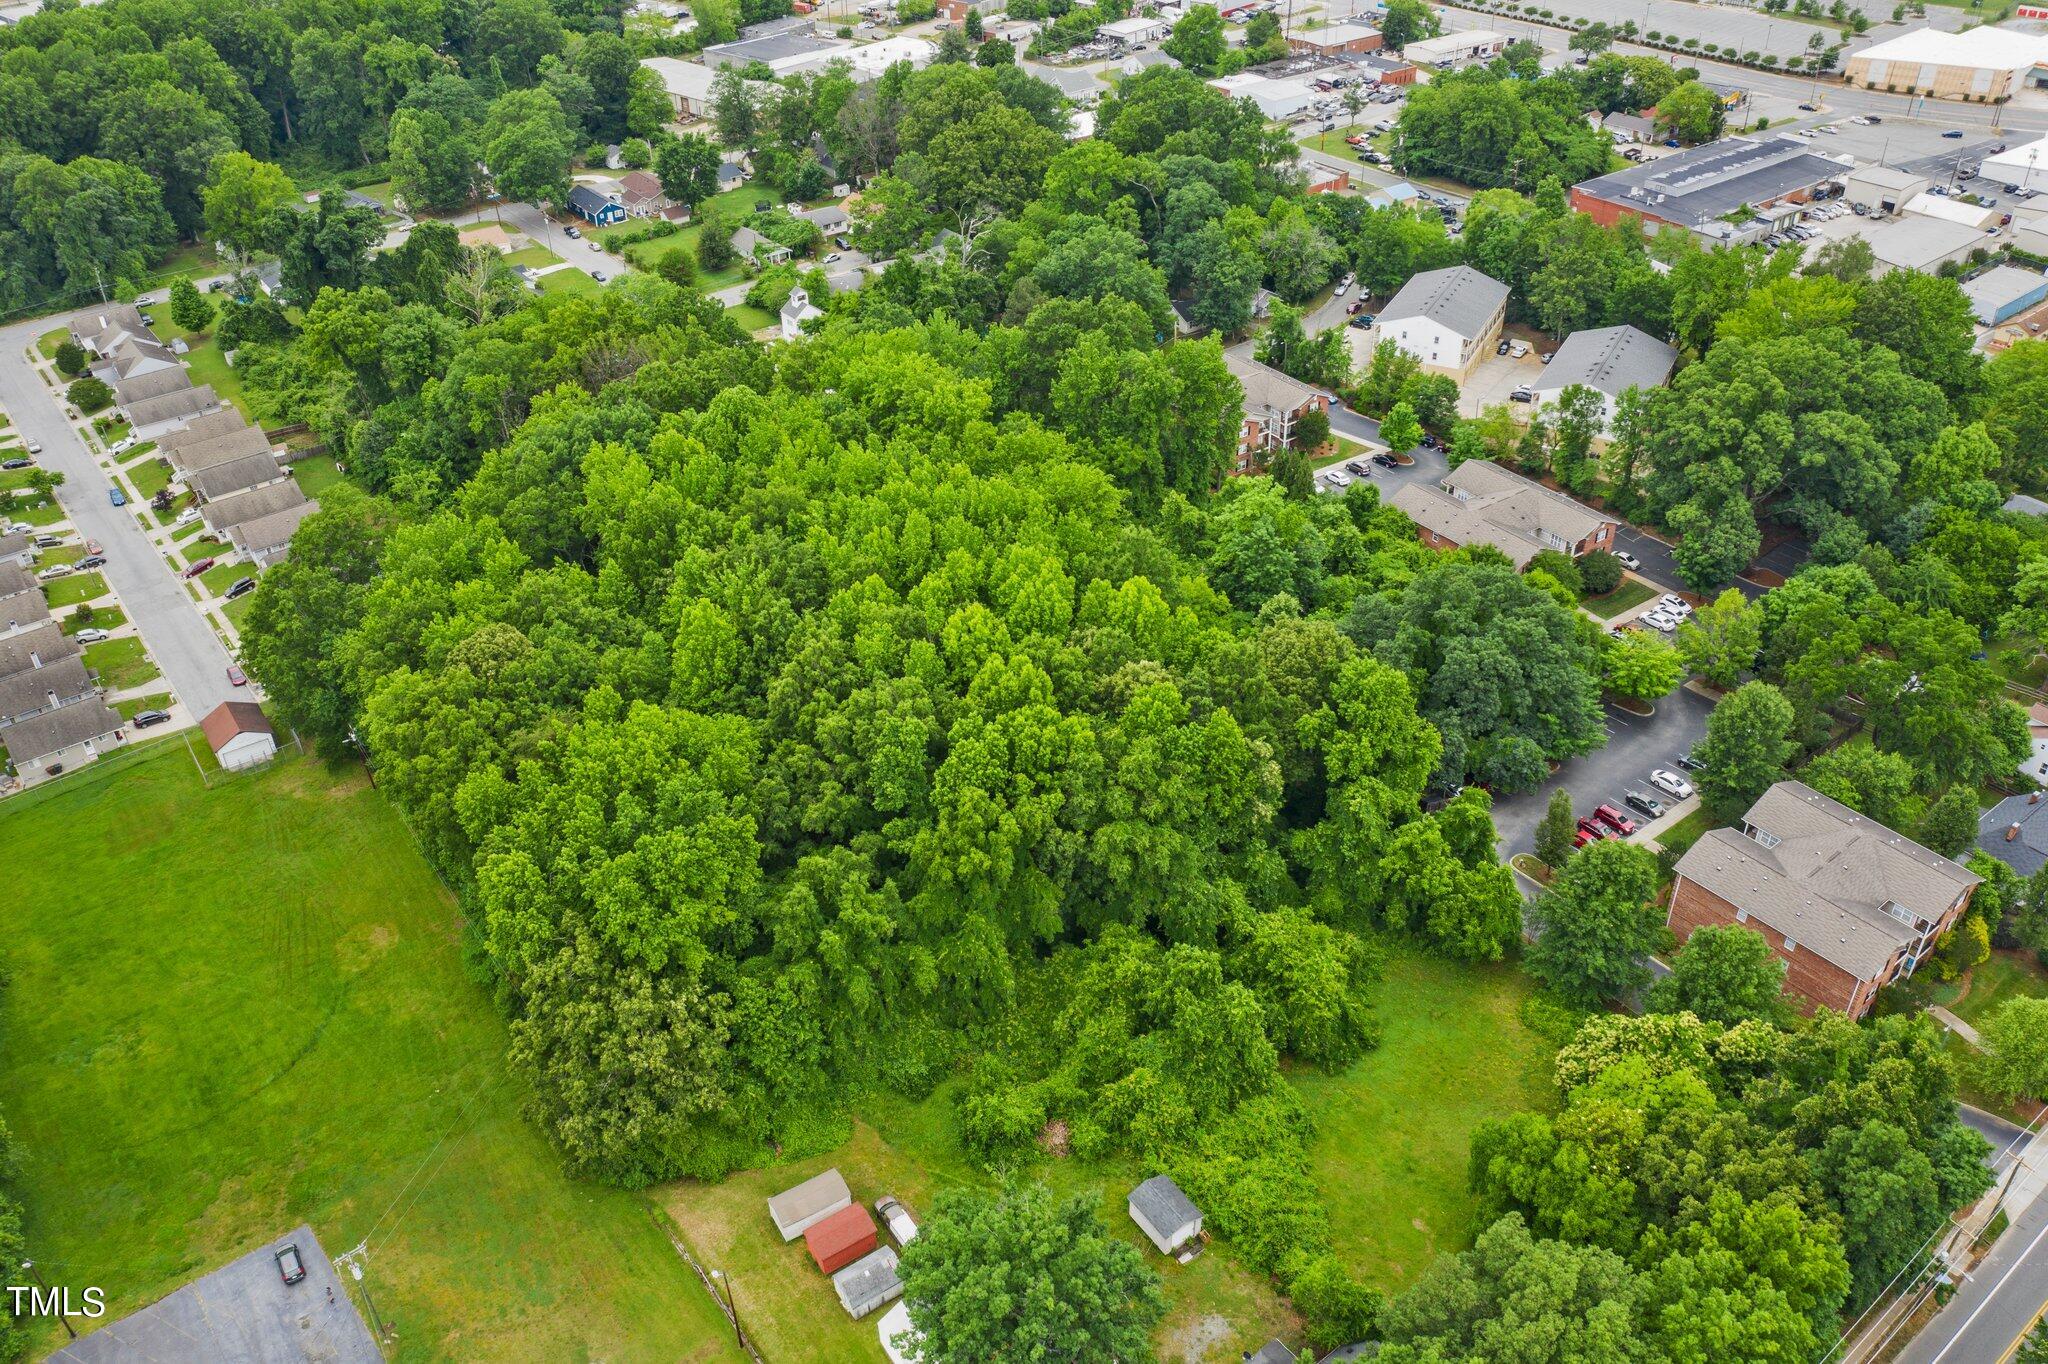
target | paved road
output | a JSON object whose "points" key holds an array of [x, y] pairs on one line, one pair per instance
{"points": [[1994, 1129], [192, 658], [1996, 1305]]}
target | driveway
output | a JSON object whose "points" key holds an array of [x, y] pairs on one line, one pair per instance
{"points": [[193, 660], [1635, 744]]}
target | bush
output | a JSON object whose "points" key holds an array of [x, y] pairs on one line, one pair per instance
{"points": [[1600, 571], [89, 395], [678, 267], [1312, 432], [70, 358], [1559, 566]]}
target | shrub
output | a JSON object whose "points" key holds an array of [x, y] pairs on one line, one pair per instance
{"points": [[89, 395], [70, 358]]}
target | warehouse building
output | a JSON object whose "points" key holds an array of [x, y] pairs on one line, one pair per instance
{"points": [[2004, 292], [1883, 189], [1771, 178], [1986, 65]]}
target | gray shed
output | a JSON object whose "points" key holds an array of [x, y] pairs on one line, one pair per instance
{"points": [[1272, 1352], [868, 1282], [817, 1198], [1166, 1215]]}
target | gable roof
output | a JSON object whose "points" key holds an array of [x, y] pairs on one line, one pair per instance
{"points": [[233, 475], [1267, 390], [205, 426], [1610, 359], [640, 186], [24, 608], [586, 199], [1458, 298], [230, 719], [184, 402], [2027, 851], [1500, 508], [14, 579], [685, 80], [802, 1204], [155, 383], [13, 544], [261, 534], [235, 443], [251, 504], [56, 730], [1163, 1206], [1825, 876], [40, 647], [26, 692]]}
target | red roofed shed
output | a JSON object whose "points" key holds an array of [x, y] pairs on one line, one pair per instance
{"points": [[842, 1238]]}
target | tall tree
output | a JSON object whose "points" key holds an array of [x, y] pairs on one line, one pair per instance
{"points": [[1598, 924], [1747, 746]]}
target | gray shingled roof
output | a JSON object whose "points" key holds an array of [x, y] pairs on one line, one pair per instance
{"points": [[1274, 1351], [1459, 298], [2027, 852], [201, 428], [26, 692], [157, 383], [1266, 389], [1825, 877], [14, 579], [1161, 1203], [233, 475], [22, 608], [56, 730], [185, 402], [869, 1281], [45, 644], [1500, 508], [1610, 359], [267, 533], [239, 443], [1704, 183], [13, 544], [251, 505]]}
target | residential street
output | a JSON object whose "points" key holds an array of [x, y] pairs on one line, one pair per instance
{"points": [[1996, 1305], [192, 658]]}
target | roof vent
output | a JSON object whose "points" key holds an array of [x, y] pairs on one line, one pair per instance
{"points": [[2033, 797]]}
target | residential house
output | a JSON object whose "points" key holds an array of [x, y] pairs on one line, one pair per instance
{"points": [[134, 355], [17, 550], [594, 206], [151, 416], [264, 540], [1627, 128], [22, 605], [1608, 360], [59, 740], [1168, 1217], [222, 514], [797, 310], [240, 734], [1849, 905], [640, 194], [211, 438], [2015, 831], [235, 475], [37, 691], [1765, 181], [751, 245], [1274, 1351], [1346, 36], [868, 1282], [1077, 85], [1448, 319], [158, 383], [796, 1210], [1139, 62], [98, 331], [831, 219], [38, 646], [731, 175], [1479, 502], [1273, 403]]}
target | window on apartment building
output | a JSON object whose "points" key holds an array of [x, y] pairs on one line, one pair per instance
{"points": [[1790, 946], [1742, 916]]}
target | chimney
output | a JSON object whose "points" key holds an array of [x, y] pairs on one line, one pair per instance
{"points": [[2033, 797], [2012, 833]]}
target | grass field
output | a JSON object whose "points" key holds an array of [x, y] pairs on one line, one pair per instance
{"points": [[103, 618], [238, 610], [121, 663], [2003, 976], [48, 342], [221, 577], [1390, 1157], [148, 475], [535, 256], [277, 1026], [135, 705], [1632, 592], [752, 318], [316, 474], [571, 281], [63, 592]]}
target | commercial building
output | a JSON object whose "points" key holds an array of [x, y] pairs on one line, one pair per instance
{"points": [[1447, 318], [2025, 167], [781, 53], [1849, 905], [1768, 178], [1481, 503], [1608, 360], [1281, 98], [1883, 189], [1457, 49], [870, 60], [2004, 292], [1982, 217], [1345, 37], [1134, 31], [1920, 243], [1987, 65], [688, 85]]}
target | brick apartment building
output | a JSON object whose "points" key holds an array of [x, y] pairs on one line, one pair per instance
{"points": [[1481, 503], [1847, 904]]}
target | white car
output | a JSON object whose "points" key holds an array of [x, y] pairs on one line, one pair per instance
{"points": [[35, 448], [1671, 783], [187, 517], [1629, 561], [90, 636], [1343, 288], [19, 528], [1658, 620], [1671, 604], [1338, 479]]}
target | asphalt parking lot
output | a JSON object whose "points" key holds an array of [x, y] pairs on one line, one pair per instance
{"points": [[1496, 376], [1635, 745]]}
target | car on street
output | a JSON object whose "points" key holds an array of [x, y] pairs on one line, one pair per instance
{"points": [[144, 719], [1644, 803], [90, 636], [290, 1266], [1614, 819], [18, 462], [236, 677], [1629, 561], [1671, 783], [597, 275], [35, 448], [1953, 132], [572, 232], [54, 571], [241, 587], [595, 245], [1354, 308], [117, 497], [1343, 288], [194, 570], [1810, 108], [93, 561]]}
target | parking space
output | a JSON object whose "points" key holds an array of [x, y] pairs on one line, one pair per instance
{"points": [[1636, 745], [1496, 376]]}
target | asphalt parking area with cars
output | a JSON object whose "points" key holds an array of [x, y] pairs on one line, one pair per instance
{"points": [[1636, 745]]}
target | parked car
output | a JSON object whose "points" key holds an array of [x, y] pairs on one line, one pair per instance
{"points": [[1359, 467], [1629, 561], [187, 517], [290, 1265], [1518, 349], [1591, 831], [1674, 605], [241, 587], [831, 256], [1645, 803], [597, 275], [144, 719], [1338, 478], [572, 232], [93, 561], [194, 570], [1386, 461], [1658, 620], [92, 636], [35, 448], [54, 571], [1522, 395], [236, 677], [47, 541], [1689, 760], [1953, 132], [897, 1218], [123, 445], [1343, 288], [1614, 819], [842, 243], [1671, 783], [1501, 349], [18, 462], [117, 497]]}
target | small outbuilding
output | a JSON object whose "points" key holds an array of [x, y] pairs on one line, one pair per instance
{"points": [[240, 735], [1168, 1217], [838, 1239], [896, 1325], [796, 1210], [1274, 1351], [868, 1282]]}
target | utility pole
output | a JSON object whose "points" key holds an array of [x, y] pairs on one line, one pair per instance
{"points": [[62, 1315], [354, 1260], [731, 1308]]}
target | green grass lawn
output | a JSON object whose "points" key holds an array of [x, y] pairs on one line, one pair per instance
{"points": [[48, 342], [121, 663], [535, 256], [192, 260], [103, 618], [135, 705], [752, 318], [278, 1026], [238, 610], [1393, 1132], [200, 549], [61, 554], [41, 511], [571, 281], [10, 479], [316, 474], [148, 475], [2003, 976], [1632, 592], [79, 587], [188, 530], [221, 577]]}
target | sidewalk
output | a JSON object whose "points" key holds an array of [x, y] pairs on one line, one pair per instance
{"points": [[1955, 1025]]}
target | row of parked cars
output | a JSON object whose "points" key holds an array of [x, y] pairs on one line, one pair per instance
{"points": [[1608, 822], [1667, 613]]}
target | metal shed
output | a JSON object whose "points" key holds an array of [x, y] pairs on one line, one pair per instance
{"points": [[817, 1198], [868, 1282]]}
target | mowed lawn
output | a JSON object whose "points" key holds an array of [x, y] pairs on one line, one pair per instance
{"points": [[1394, 1131], [232, 1010]]}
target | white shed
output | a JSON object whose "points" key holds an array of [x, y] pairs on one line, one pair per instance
{"points": [[1168, 1217], [817, 1198], [240, 735]]}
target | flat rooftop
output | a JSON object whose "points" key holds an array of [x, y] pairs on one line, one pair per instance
{"points": [[1698, 186], [242, 1313]]}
